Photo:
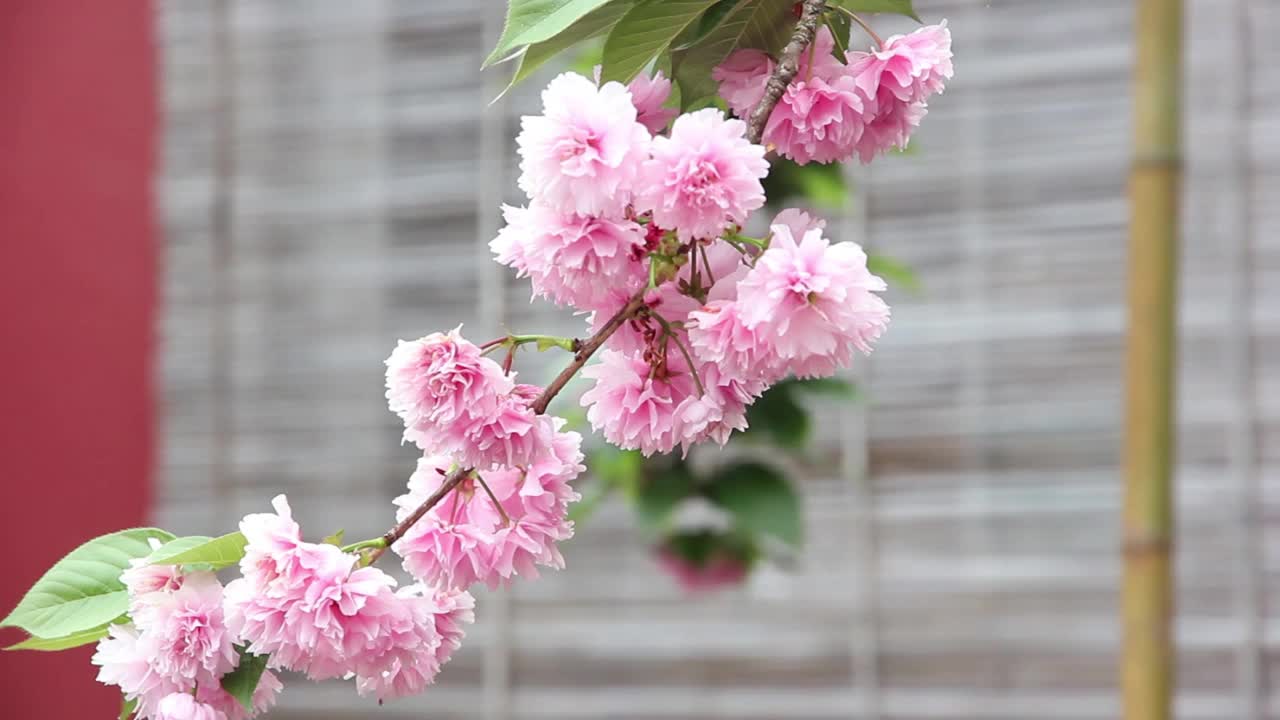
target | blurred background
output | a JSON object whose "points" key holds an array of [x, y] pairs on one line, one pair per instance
{"points": [[217, 217]]}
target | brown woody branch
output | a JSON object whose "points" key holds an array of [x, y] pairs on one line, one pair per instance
{"points": [[788, 65]]}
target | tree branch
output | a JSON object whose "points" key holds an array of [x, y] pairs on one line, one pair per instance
{"points": [[785, 71], [584, 352]]}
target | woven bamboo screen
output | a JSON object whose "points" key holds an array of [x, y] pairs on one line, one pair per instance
{"points": [[331, 177]]}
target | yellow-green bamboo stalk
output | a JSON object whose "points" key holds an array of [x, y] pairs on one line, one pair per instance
{"points": [[1147, 676]]}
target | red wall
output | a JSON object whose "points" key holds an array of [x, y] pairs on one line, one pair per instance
{"points": [[77, 292]]}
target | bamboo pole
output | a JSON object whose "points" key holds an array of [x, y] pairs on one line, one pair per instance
{"points": [[1147, 676]]}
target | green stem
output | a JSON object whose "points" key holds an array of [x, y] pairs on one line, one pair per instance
{"points": [[364, 545]]}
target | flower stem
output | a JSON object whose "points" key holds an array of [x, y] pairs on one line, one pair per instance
{"points": [[506, 520], [863, 24]]}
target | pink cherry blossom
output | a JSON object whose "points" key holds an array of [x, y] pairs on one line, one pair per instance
{"points": [[124, 659], [897, 80], [581, 156], [633, 407], [649, 94], [798, 221], [439, 380], [182, 706], [704, 177], [316, 607], [813, 302], [184, 634], [143, 579], [415, 640], [719, 336], [467, 538], [510, 435], [570, 259], [817, 120], [716, 411], [742, 77]]}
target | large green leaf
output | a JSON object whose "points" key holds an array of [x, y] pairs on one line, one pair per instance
{"points": [[763, 24], [533, 21], [595, 23], [710, 19], [83, 590], [209, 553], [83, 637], [897, 7], [644, 32], [760, 500], [840, 26], [241, 682]]}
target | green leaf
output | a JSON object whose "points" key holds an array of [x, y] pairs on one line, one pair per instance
{"points": [[835, 387], [65, 642], [83, 590], [335, 539], [840, 26], [894, 272], [662, 491], [214, 553], [778, 415], [753, 23], [896, 7], [127, 707], [241, 682], [534, 21], [593, 24], [643, 33], [709, 21], [760, 500]]}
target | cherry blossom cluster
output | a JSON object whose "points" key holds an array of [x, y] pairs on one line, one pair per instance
{"points": [[867, 104], [171, 657], [635, 219]]}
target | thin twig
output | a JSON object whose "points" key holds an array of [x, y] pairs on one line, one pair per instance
{"points": [[588, 348], [863, 23], [582, 354], [785, 71]]}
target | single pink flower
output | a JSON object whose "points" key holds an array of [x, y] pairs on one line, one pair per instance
{"points": [[124, 659], [817, 120], [182, 706], [184, 632], [719, 336], [896, 81], [718, 410], [439, 380], [412, 644], [316, 610], [571, 260], [798, 222], [582, 155], [812, 302], [742, 77], [510, 435], [704, 177], [649, 94], [633, 407]]}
